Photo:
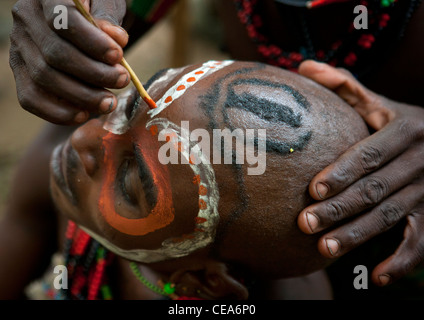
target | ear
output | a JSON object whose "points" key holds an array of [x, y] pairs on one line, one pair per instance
{"points": [[208, 280]]}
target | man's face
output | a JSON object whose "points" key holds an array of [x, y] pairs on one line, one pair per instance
{"points": [[108, 177]]}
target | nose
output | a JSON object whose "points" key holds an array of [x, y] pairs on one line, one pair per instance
{"points": [[87, 142]]}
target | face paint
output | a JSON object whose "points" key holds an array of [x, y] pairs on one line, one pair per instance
{"points": [[117, 122], [187, 81], [205, 221], [163, 213]]}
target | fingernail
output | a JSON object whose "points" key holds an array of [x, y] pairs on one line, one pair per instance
{"points": [[332, 246], [81, 117], [106, 105], [312, 221], [384, 279], [122, 80], [122, 29], [322, 190], [111, 56]]}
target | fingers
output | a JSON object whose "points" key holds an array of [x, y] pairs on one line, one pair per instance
{"points": [[109, 16], [408, 255], [380, 219], [69, 68], [366, 156], [117, 33], [82, 34], [31, 98], [339, 80], [368, 104], [61, 55], [366, 193], [59, 84], [82, 96]]}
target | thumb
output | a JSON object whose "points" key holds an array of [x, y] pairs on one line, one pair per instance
{"points": [[109, 15]]}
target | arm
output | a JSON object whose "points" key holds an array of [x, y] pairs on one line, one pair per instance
{"points": [[28, 225]]}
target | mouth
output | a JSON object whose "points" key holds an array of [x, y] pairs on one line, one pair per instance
{"points": [[58, 169]]}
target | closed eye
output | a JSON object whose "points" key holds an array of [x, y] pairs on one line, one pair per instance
{"points": [[123, 177]]}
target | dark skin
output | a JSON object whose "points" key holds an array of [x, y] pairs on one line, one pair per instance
{"points": [[82, 163], [383, 173]]}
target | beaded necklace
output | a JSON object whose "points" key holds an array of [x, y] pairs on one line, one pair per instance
{"points": [[356, 45], [86, 261]]}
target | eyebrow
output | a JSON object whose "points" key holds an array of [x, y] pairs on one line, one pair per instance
{"points": [[146, 178]]}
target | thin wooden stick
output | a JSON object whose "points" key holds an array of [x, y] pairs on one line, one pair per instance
{"points": [[124, 63]]}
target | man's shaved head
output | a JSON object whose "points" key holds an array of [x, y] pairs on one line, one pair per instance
{"points": [[215, 211]]}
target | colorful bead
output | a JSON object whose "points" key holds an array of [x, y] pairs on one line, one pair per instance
{"points": [[336, 55], [169, 288]]}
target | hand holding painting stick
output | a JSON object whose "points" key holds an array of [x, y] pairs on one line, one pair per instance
{"points": [[124, 63]]}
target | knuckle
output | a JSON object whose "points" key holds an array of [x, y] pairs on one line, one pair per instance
{"points": [[24, 99], [390, 213], [371, 158], [345, 72], [14, 58], [357, 234], [342, 176], [17, 11], [53, 53], [39, 72], [415, 125], [373, 190]]}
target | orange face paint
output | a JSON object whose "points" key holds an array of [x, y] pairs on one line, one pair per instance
{"points": [[163, 212], [150, 102]]}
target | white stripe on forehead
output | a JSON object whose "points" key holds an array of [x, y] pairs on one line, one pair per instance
{"points": [[186, 81], [156, 85]]}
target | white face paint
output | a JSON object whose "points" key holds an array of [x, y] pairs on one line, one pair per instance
{"points": [[208, 216], [117, 122], [188, 80]]}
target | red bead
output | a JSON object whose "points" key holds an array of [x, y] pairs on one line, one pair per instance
{"points": [[70, 230], [251, 31], [297, 57], [350, 59], [366, 41]]}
